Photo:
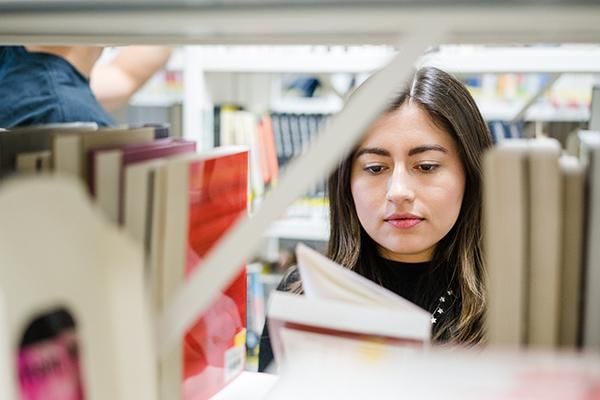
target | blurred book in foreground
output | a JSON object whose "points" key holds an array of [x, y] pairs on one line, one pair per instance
{"points": [[339, 303], [328, 370]]}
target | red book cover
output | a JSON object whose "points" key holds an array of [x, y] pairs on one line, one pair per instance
{"points": [[207, 234], [215, 207], [214, 348]]}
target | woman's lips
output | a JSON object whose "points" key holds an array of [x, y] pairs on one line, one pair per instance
{"points": [[403, 220], [404, 223]]}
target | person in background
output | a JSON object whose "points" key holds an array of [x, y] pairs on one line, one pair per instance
{"points": [[405, 208], [59, 84]]}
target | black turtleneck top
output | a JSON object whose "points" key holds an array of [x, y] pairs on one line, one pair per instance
{"points": [[403, 278]]}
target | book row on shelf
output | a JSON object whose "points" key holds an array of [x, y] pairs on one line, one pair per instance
{"points": [[172, 205], [541, 212], [94, 290], [274, 139]]}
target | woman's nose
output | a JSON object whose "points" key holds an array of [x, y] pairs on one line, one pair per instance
{"points": [[400, 187]]}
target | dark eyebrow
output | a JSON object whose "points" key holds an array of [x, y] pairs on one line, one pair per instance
{"points": [[423, 149], [415, 150], [373, 150]]}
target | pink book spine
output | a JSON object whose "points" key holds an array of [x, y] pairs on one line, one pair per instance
{"points": [[49, 370]]}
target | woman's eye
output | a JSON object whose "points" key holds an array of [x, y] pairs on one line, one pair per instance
{"points": [[374, 169], [427, 167]]}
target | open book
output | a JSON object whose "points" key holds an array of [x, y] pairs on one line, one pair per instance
{"points": [[339, 303]]}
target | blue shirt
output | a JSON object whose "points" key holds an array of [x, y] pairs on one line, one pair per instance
{"points": [[40, 88]]}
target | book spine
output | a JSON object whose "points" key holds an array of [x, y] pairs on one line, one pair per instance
{"points": [[505, 212], [591, 328]]}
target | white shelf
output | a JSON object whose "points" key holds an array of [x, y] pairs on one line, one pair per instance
{"points": [[294, 59], [316, 229], [299, 22], [326, 105], [247, 386], [540, 112], [155, 100], [537, 112], [517, 59], [357, 59]]}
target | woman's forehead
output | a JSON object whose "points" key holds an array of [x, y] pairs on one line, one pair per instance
{"points": [[407, 126]]}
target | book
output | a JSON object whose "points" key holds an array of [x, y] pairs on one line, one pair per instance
{"points": [[270, 149], [83, 330], [106, 166], [245, 126], [295, 134], [573, 205], [240, 128], [213, 350], [69, 150], [341, 369], [339, 303], [139, 199], [506, 241], [595, 109], [278, 139], [33, 162], [256, 311], [161, 130], [305, 131], [263, 151], [225, 122], [590, 154], [143, 218], [545, 239], [286, 137], [33, 139]]}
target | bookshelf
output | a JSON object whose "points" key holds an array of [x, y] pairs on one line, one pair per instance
{"points": [[410, 25], [461, 60], [314, 229], [259, 68], [295, 21]]}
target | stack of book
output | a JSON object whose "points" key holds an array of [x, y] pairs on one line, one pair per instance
{"points": [[541, 212], [176, 204]]}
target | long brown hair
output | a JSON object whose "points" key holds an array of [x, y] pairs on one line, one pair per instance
{"points": [[452, 108]]}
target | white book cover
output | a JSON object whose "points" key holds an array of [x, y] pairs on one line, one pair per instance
{"points": [[339, 303]]}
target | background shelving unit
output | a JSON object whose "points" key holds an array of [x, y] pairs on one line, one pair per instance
{"points": [[259, 67]]}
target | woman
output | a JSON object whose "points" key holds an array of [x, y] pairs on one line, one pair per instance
{"points": [[405, 207]]}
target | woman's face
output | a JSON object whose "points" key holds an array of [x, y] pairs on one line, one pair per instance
{"points": [[407, 183]]}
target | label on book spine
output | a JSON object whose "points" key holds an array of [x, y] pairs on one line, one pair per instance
{"points": [[235, 356]]}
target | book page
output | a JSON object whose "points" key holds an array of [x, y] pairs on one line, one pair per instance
{"points": [[323, 278]]}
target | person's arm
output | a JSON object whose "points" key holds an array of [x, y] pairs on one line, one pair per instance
{"points": [[115, 82]]}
